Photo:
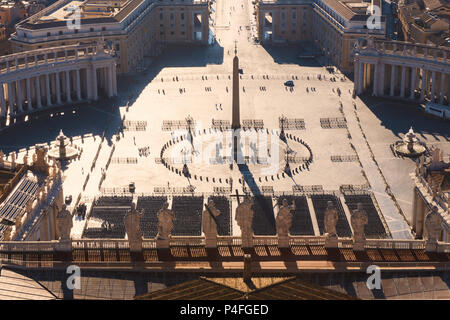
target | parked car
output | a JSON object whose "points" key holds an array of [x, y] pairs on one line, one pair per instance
{"points": [[289, 83]]}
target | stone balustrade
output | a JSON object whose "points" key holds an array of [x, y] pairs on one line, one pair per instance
{"points": [[88, 244]]}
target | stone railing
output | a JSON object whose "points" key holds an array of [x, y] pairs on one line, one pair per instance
{"points": [[412, 50], [100, 244], [85, 244], [31, 246], [395, 244], [44, 57]]}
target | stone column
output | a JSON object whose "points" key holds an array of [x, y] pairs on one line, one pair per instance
{"points": [[94, 84], [114, 78], [10, 99], [381, 80], [403, 82], [415, 207], [360, 78], [58, 88], [77, 73], [88, 79], [433, 85], [38, 92], [424, 80], [19, 96], [375, 78], [30, 103], [420, 218], [2, 101], [441, 98], [110, 84], [67, 77], [392, 80], [48, 89], [413, 82]]}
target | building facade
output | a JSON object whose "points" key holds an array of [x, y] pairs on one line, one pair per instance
{"points": [[331, 26], [132, 28]]}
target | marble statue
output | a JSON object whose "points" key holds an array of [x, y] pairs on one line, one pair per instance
{"points": [[330, 220], [165, 222], [359, 220], [64, 223], [209, 224], [132, 221], [244, 219], [284, 218], [283, 223]]}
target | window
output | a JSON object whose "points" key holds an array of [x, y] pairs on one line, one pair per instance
{"points": [[182, 16], [171, 16], [91, 29], [161, 15], [172, 33], [60, 32], [48, 34], [76, 30], [103, 29]]}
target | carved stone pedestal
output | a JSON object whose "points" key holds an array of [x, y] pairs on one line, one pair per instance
{"points": [[247, 272], [162, 243], [331, 242], [63, 251], [135, 245], [431, 246], [247, 241], [64, 245], [358, 246], [211, 242], [283, 241]]}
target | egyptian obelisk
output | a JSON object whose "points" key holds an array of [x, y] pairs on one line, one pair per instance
{"points": [[236, 121]]}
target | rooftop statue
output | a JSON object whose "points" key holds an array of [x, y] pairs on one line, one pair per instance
{"points": [[165, 222], [64, 223]]}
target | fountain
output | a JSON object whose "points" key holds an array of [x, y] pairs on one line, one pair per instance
{"points": [[62, 149], [410, 146]]}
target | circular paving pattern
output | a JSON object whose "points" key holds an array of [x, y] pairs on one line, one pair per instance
{"points": [[205, 155]]}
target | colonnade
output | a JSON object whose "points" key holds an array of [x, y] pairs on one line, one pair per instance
{"points": [[403, 73], [54, 77]]}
